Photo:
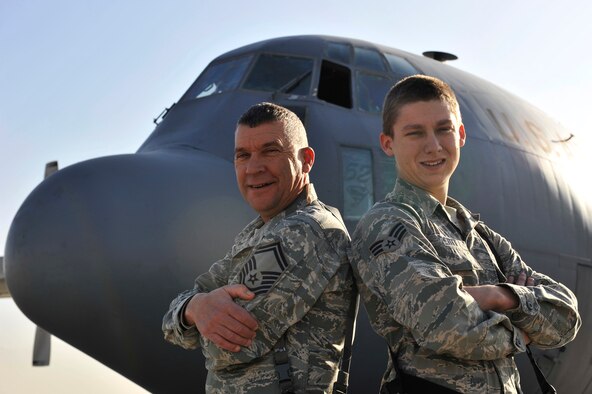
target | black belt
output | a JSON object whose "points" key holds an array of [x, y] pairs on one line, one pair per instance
{"points": [[409, 384]]}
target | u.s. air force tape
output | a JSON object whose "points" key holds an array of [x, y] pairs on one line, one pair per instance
{"points": [[263, 268], [389, 243]]}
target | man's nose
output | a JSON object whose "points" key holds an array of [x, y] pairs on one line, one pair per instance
{"points": [[432, 143], [255, 164]]}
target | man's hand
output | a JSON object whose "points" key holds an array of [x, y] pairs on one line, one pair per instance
{"points": [[493, 298], [522, 280], [500, 298], [220, 319]]}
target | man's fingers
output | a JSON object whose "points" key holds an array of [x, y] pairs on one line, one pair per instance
{"points": [[238, 312], [239, 291], [224, 344], [223, 321], [243, 324], [521, 281], [243, 320], [235, 338], [225, 327]]}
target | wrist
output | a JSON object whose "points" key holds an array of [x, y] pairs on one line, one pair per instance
{"points": [[507, 300], [187, 318]]}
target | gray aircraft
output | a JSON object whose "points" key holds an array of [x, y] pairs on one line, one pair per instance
{"points": [[99, 249]]}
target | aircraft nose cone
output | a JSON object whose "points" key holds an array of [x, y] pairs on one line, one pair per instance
{"points": [[99, 249]]}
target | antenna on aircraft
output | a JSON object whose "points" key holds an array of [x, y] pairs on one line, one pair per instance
{"points": [[440, 56], [50, 168]]}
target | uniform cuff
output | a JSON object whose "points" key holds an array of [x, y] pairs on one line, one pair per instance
{"points": [[528, 305], [181, 314], [518, 339]]}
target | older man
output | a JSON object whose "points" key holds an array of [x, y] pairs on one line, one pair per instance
{"points": [[271, 316]]}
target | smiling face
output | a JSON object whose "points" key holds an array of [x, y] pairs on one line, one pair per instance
{"points": [[270, 170], [426, 141]]}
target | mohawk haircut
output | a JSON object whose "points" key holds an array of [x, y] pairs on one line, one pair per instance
{"points": [[268, 112]]}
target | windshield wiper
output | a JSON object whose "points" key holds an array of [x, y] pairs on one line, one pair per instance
{"points": [[288, 87]]}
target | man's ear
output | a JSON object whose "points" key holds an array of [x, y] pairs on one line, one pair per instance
{"points": [[462, 135], [308, 158], [386, 143]]}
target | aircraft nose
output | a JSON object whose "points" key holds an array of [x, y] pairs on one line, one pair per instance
{"points": [[99, 249]]}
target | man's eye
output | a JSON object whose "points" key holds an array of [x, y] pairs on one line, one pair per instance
{"points": [[240, 156]]}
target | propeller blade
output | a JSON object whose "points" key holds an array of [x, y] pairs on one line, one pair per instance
{"points": [[41, 348], [42, 344], [3, 288]]}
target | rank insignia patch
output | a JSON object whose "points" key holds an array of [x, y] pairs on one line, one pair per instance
{"points": [[262, 270], [390, 243]]}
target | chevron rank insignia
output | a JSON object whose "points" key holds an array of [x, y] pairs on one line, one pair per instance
{"points": [[390, 243], [262, 270]]}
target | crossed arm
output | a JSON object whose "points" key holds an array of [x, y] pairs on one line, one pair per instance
{"points": [[499, 298], [221, 320], [547, 310], [230, 317]]}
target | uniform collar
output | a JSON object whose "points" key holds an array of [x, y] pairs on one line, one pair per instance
{"points": [[254, 231], [306, 197], [422, 201], [406, 193]]}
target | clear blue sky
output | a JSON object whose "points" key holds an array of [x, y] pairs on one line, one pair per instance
{"points": [[81, 79]]}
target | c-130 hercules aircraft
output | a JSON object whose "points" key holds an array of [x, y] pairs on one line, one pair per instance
{"points": [[99, 249]]}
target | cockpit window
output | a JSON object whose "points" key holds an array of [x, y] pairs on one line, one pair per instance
{"points": [[282, 74], [218, 78], [368, 59], [338, 52], [358, 183], [335, 84], [400, 67], [370, 91]]}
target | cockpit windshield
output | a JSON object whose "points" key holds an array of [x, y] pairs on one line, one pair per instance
{"points": [[282, 74], [277, 73], [219, 78]]}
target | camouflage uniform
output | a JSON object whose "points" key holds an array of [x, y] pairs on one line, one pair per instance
{"points": [[297, 266], [411, 263]]}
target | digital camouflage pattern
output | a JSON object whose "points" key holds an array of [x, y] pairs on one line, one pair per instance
{"points": [[297, 265], [411, 263]]}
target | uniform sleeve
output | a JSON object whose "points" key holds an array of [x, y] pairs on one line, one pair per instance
{"points": [[402, 271], [325, 326], [312, 263], [547, 312], [175, 331]]}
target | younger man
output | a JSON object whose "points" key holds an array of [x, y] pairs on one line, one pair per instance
{"points": [[452, 317]]}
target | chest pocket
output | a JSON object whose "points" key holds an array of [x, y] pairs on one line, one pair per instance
{"points": [[457, 257], [263, 268]]}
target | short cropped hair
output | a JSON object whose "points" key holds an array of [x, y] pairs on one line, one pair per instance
{"points": [[413, 89], [268, 112]]}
